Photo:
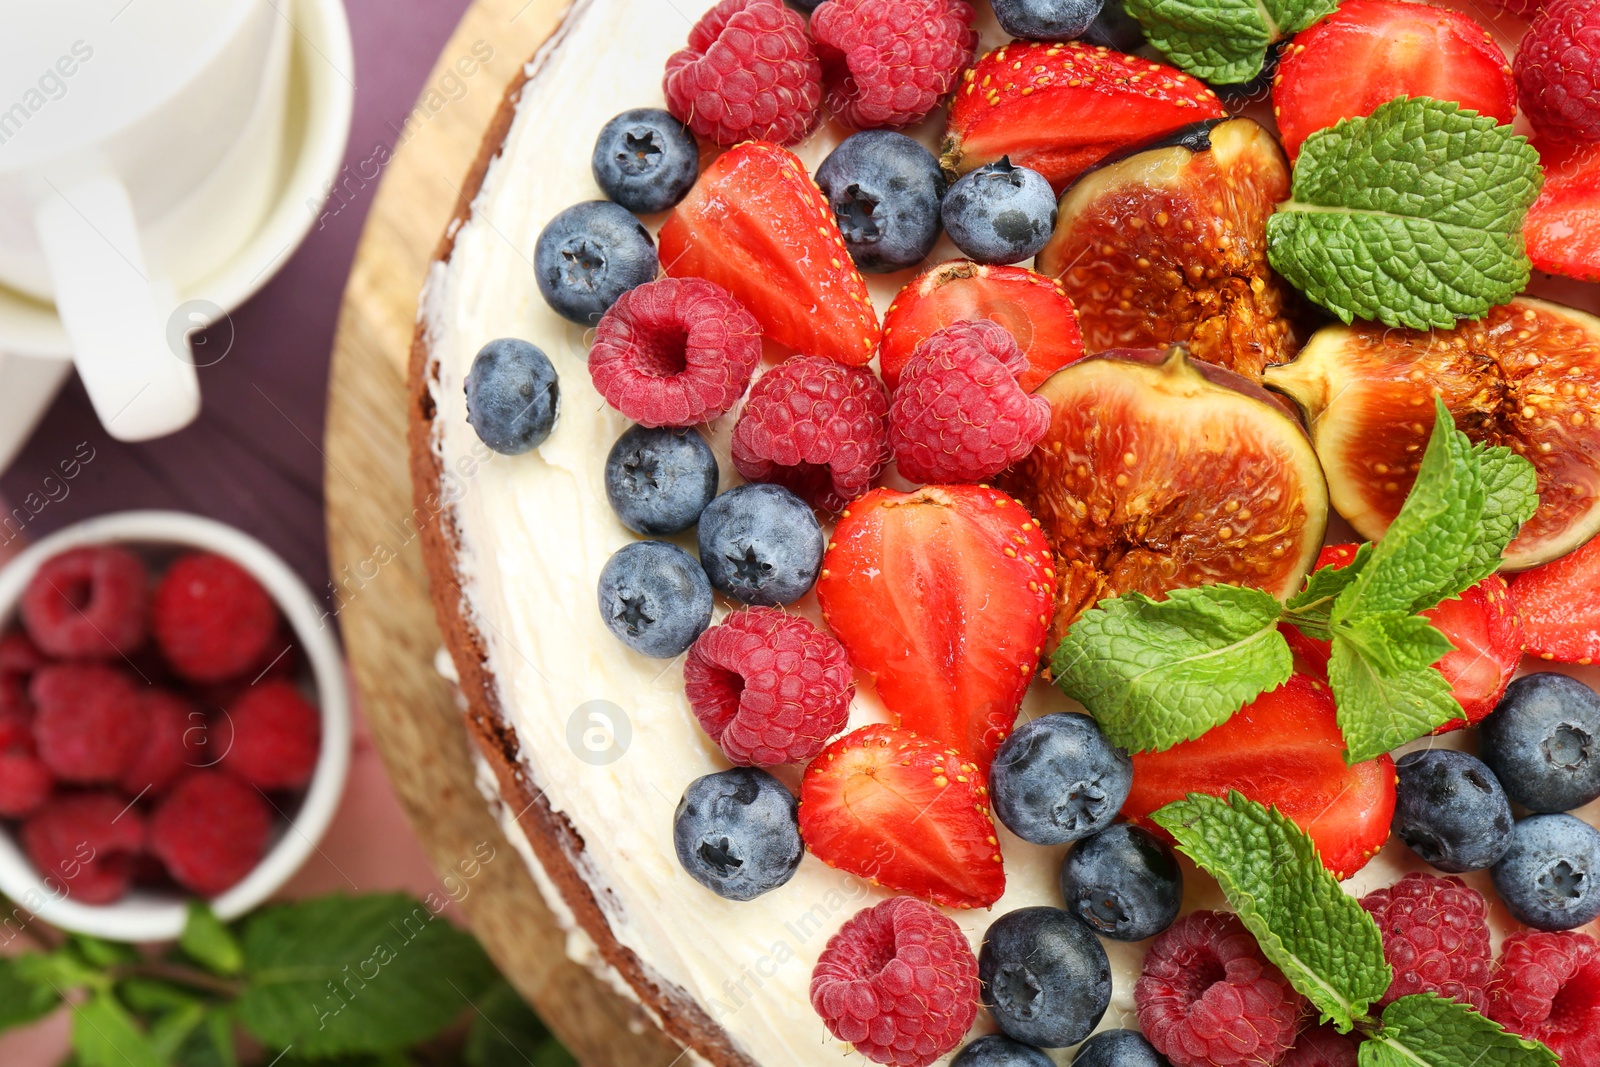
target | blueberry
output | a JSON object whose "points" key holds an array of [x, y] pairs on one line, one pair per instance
{"points": [[737, 833], [513, 396], [885, 191], [1046, 20], [1451, 811], [1057, 779], [655, 598], [761, 544], [1118, 1048], [1046, 979], [1000, 213], [1124, 882], [1543, 740], [1550, 877], [589, 255], [660, 480], [1114, 28], [645, 160], [997, 1050]]}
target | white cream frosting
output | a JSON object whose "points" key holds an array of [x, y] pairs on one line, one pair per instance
{"points": [[535, 531]]}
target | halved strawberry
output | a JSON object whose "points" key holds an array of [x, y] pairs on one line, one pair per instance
{"points": [[757, 225], [906, 813], [1061, 108], [1034, 308], [1370, 51], [1481, 623], [1563, 226], [1559, 605], [943, 595], [1283, 748]]}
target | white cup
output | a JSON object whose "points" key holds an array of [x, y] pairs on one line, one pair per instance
{"points": [[140, 144]]}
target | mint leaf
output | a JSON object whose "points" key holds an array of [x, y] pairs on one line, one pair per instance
{"points": [[506, 1033], [23, 997], [207, 941], [1394, 643], [1156, 673], [1411, 216], [1378, 713], [341, 975], [1223, 41], [1326, 583], [105, 1035], [1425, 1030], [211, 1045], [1321, 938], [171, 1031], [1511, 495]]}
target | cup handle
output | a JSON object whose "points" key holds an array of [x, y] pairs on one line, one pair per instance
{"points": [[140, 387]]}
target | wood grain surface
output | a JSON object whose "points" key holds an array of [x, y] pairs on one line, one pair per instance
{"points": [[383, 608]]}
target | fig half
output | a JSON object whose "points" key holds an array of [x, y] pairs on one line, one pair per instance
{"points": [[1160, 472], [1170, 244], [1526, 375]]}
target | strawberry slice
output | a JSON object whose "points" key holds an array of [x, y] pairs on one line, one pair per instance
{"points": [[1481, 623], [1061, 108], [1034, 308], [1559, 605], [943, 595], [1563, 226], [1284, 748], [906, 813], [757, 225], [1370, 51]]}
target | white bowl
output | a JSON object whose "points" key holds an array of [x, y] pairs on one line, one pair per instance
{"points": [[152, 915]]}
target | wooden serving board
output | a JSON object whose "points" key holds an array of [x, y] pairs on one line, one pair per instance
{"points": [[386, 618]]}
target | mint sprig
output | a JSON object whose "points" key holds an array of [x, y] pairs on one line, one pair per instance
{"points": [[1429, 1031], [1411, 216], [1224, 42], [1157, 673]]}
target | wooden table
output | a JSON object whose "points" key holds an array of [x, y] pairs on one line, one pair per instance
{"points": [[387, 621]]}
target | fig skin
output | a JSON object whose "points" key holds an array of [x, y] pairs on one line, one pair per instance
{"points": [[1170, 244], [1161, 472], [1526, 375]]}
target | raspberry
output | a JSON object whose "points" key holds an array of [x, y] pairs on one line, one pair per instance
{"points": [[888, 63], [674, 352], [815, 427], [1558, 71], [276, 737], [749, 74], [19, 656], [768, 687], [90, 725], [1547, 987], [88, 603], [25, 783], [210, 831], [899, 981], [87, 844], [212, 620], [1320, 1046], [1209, 998], [163, 751], [958, 414], [1435, 937]]}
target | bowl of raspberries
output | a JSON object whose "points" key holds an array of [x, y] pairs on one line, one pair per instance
{"points": [[174, 724]]}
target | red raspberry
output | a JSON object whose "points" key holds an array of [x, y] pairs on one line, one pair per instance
{"points": [[1320, 1046], [958, 414], [210, 831], [749, 74], [1435, 937], [1209, 998], [899, 981], [1547, 987], [212, 620], [675, 352], [25, 782], [14, 700], [277, 735], [816, 427], [768, 687], [87, 603], [1558, 71], [19, 656], [163, 751], [90, 725], [888, 63], [87, 844]]}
